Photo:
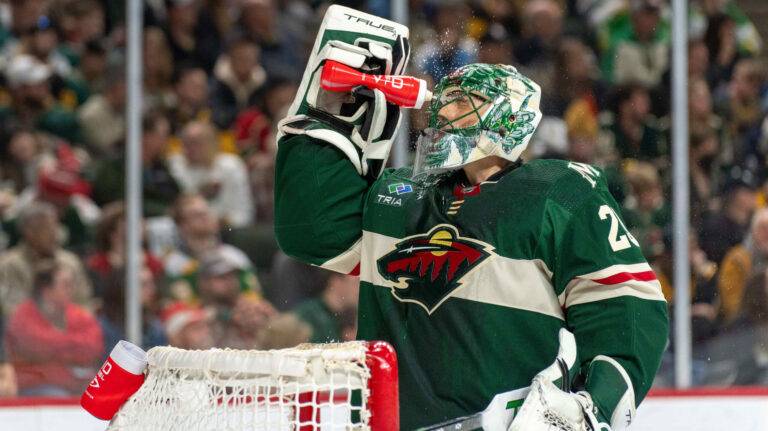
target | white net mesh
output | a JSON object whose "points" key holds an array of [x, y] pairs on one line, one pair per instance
{"points": [[310, 387]]}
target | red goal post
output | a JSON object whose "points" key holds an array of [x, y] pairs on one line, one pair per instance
{"points": [[312, 387]]}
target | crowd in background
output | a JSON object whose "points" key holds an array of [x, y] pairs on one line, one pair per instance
{"points": [[219, 74]]}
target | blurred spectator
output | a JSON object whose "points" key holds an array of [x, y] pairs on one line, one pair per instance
{"points": [[102, 117], [704, 172], [631, 130], [255, 131], [292, 281], [68, 192], [158, 69], [24, 157], [198, 230], [220, 13], [82, 21], [188, 327], [704, 294], [747, 334], [740, 263], [220, 177], [448, 48], [57, 180], [237, 80], [645, 212], [40, 231], [702, 117], [747, 37], [541, 28], [191, 35], [742, 109], [283, 331], [754, 305], [191, 98], [636, 45], [698, 60], [255, 127], [54, 344], [324, 313], [582, 129], [159, 186], [720, 39], [574, 80], [495, 46], [110, 250], [8, 385], [705, 322], [282, 54], [40, 41], [239, 315], [32, 103], [727, 227], [112, 316], [24, 16], [92, 70], [583, 147]]}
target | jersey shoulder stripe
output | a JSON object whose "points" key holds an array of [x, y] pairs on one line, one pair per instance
{"points": [[636, 280], [347, 262]]}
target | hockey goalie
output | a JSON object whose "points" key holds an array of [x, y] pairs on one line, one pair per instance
{"points": [[471, 261]]}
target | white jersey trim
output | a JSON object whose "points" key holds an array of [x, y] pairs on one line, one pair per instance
{"points": [[347, 261], [617, 269], [514, 283], [635, 280]]}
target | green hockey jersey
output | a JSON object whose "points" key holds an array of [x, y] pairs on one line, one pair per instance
{"points": [[471, 283]]}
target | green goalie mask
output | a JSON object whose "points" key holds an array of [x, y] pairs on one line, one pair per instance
{"points": [[505, 105]]}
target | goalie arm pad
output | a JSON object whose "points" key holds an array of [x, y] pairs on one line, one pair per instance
{"points": [[620, 343], [319, 198], [615, 402]]}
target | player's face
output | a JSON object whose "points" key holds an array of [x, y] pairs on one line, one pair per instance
{"points": [[462, 104]]}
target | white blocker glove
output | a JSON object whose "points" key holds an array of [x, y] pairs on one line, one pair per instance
{"points": [[549, 408], [362, 124]]}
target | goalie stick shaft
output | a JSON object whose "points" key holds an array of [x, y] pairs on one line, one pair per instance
{"points": [[466, 423]]}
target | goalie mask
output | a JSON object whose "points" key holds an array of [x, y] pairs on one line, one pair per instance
{"points": [[505, 105]]}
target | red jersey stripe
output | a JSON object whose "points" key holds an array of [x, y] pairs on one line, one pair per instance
{"points": [[627, 276]]}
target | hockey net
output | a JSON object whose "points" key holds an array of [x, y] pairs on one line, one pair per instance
{"points": [[312, 387]]}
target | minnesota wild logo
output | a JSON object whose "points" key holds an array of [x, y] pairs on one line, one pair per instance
{"points": [[427, 269]]}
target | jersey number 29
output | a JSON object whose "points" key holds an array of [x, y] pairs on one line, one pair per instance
{"points": [[618, 242]]}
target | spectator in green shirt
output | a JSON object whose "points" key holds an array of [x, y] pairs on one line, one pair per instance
{"points": [[159, 187], [332, 314], [33, 106]]}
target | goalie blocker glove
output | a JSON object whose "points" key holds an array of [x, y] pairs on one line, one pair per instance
{"points": [[548, 408], [361, 124]]}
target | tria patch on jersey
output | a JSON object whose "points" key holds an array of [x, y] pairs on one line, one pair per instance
{"points": [[389, 200], [428, 268]]}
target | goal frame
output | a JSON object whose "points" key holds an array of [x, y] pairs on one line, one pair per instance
{"points": [[377, 377]]}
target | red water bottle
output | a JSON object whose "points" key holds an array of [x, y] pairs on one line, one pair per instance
{"points": [[119, 378], [402, 90]]}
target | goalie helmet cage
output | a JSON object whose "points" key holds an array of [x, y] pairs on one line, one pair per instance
{"points": [[311, 387]]}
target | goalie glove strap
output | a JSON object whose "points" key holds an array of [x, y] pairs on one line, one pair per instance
{"points": [[590, 412], [329, 119], [304, 125]]}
